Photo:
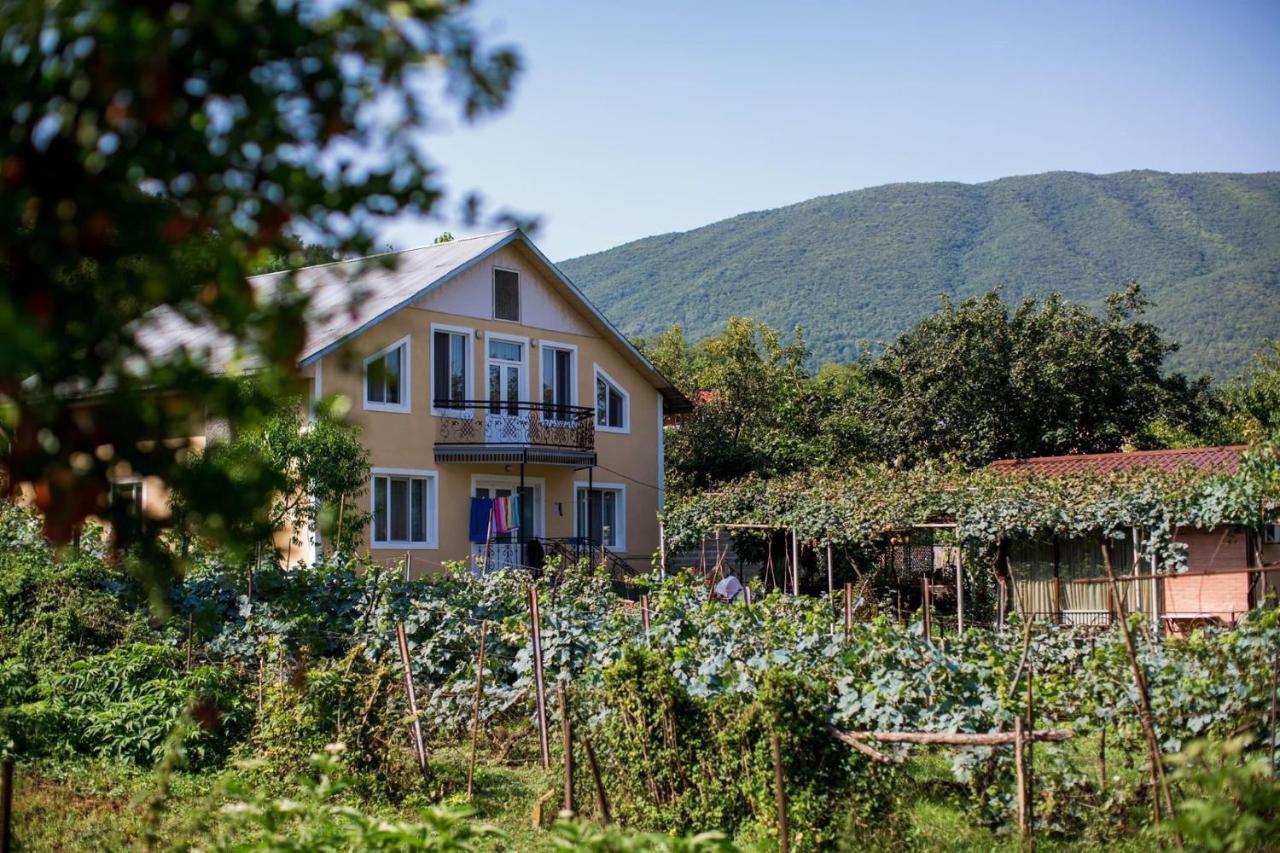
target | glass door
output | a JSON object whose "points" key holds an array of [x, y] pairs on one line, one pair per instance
{"points": [[506, 423], [504, 549]]}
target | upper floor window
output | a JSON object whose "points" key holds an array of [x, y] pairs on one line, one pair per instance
{"points": [[557, 380], [386, 379], [612, 404], [506, 295], [450, 367]]}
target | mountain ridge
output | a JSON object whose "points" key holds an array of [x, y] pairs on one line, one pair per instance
{"points": [[863, 265]]}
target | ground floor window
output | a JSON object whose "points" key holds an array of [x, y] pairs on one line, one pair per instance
{"points": [[404, 508], [601, 515]]}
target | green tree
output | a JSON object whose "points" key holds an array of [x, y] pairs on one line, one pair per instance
{"points": [[978, 382], [155, 154], [756, 407]]}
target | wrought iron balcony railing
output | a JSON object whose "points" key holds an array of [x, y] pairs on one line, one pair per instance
{"points": [[516, 424]]}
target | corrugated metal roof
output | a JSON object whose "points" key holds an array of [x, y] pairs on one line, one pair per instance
{"points": [[1221, 460], [346, 297], [349, 297]]}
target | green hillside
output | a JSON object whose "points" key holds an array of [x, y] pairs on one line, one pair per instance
{"points": [[865, 265]]}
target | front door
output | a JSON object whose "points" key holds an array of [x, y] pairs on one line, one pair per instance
{"points": [[504, 549], [506, 422]]}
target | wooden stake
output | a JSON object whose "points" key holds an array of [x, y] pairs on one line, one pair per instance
{"points": [[535, 623], [928, 624], [415, 725], [1159, 785], [566, 737], [795, 563], [1020, 772], [959, 592], [1029, 745], [602, 799], [475, 714], [1275, 668], [6, 804], [644, 616], [780, 794], [831, 590], [189, 632], [848, 611], [662, 550], [342, 505]]}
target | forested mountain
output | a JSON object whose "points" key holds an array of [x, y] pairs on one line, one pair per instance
{"points": [[865, 265]]}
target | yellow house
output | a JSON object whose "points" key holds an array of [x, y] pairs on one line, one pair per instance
{"points": [[476, 369]]}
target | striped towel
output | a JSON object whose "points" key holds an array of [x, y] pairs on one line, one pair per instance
{"points": [[506, 514]]}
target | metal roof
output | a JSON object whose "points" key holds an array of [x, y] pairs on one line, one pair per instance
{"points": [[349, 297], [1218, 460]]}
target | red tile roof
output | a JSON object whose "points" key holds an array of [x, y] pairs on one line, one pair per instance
{"points": [[1222, 460]]}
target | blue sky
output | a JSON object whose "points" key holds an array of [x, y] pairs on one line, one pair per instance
{"points": [[641, 118]]}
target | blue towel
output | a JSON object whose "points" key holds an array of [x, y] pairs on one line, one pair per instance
{"points": [[480, 510]]}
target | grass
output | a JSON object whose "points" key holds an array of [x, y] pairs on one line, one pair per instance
{"points": [[100, 805]]}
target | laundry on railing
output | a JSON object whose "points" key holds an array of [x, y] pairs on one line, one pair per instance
{"points": [[506, 514], [481, 513]]}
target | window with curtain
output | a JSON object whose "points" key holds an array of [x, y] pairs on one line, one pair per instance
{"points": [[557, 381], [611, 404], [449, 369], [403, 509]]}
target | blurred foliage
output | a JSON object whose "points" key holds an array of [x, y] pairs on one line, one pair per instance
{"points": [[153, 156], [857, 269]]}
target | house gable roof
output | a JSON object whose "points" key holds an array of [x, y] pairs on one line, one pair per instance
{"points": [[347, 298], [1215, 460]]}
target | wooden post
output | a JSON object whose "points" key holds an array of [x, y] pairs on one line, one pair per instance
{"points": [[831, 591], [1159, 785], [1020, 772], [475, 713], [1030, 771], [539, 683], [644, 617], [262, 666], [780, 794], [6, 804], [795, 562], [602, 799], [928, 626], [1275, 668], [415, 725], [959, 591], [662, 550], [750, 598], [189, 633], [566, 736], [848, 611], [1057, 581]]}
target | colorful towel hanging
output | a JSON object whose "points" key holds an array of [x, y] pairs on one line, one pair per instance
{"points": [[481, 509], [506, 514]]}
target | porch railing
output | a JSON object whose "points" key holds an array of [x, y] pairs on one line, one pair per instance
{"points": [[516, 424]]}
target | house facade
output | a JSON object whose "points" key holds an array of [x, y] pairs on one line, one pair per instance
{"points": [[1229, 570], [476, 370]]}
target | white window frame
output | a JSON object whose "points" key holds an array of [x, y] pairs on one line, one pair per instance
{"points": [[433, 510], [493, 294], [572, 349], [580, 486], [131, 480], [524, 363], [405, 406], [469, 356], [626, 402]]}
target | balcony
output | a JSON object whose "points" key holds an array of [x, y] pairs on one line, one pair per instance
{"points": [[509, 431]]}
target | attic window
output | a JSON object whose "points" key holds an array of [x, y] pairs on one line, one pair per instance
{"points": [[506, 295]]}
